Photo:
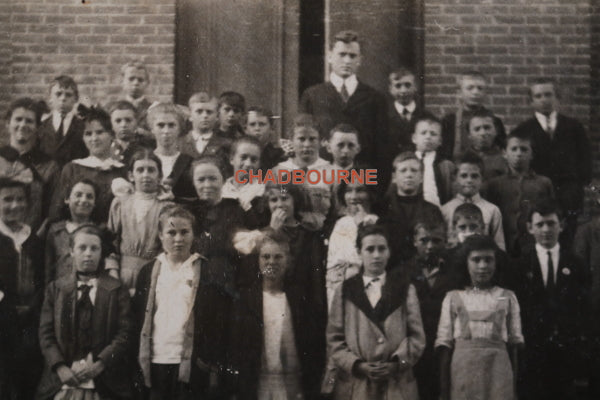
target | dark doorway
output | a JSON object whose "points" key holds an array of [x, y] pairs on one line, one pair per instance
{"points": [[312, 43]]}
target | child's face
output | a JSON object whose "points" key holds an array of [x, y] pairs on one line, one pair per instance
{"points": [[357, 197], [344, 58], [145, 176], [124, 124], [177, 236], [543, 98], [320, 199], [518, 154], [229, 116], [403, 89], [472, 90], [13, 203], [465, 227], [203, 116], [135, 82], [429, 243], [208, 183], [279, 200], [482, 132], [81, 200], [374, 253], [545, 229], [246, 157], [97, 139], [86, 252], [22, 129], [62, 99], [258, 125], [481, 265], [468, 179], [273, 260], [408, 177], [427, 136], [165, 127], [343, 148], [306, 145]]}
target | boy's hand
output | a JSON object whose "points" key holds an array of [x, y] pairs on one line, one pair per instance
{"points": [[90, 371], [278, 219], [67, 376]]}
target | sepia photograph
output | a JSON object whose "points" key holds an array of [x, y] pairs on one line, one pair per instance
{"points": [[300, 199]]}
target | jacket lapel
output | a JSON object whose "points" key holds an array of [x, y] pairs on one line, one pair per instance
{"points": [[354, 291], [392, 294]]}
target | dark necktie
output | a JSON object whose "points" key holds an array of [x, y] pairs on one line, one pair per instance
{"points": [[84, 312], [550, 285], [61, 127], [344, 93], [406, 114]]}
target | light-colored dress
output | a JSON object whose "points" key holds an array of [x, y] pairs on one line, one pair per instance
{"points": [[134, 221], [478, 324]]}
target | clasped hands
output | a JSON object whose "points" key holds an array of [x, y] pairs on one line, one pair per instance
{"points": [[80, 372], [379, 370]]}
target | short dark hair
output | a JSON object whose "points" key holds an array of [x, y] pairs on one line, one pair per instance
{"points": [[344, 128], [244, 139], [430, 223], [545, 207], [401, 72], [544, 80], [90, 229], [467, 211], [262, 111], [144, 154], [8, 183], [345, 37], [476, 243], [404, 156], [234, 99], [521, 135], [365, 230], [120, 105], [472, 74], [65, 82], [29, 104], [343, 188], [172, 211], [481, 113], [470, 157], [98, 114], [429, 117]]}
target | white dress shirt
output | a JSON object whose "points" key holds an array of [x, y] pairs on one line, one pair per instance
{"points": [[201, 140], [350, 82], [168, 162], [410, 108], [548, 123], [430, 191], [68, 118], [542, 254], [373, 285]]}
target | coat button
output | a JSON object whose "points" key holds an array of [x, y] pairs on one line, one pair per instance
{"points": [[380, 340]]}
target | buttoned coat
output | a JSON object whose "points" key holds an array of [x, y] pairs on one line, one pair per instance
{"points": [[111, 334], [358, 332]]}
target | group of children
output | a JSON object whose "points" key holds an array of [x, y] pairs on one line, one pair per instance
{"points": [[136, 266]]}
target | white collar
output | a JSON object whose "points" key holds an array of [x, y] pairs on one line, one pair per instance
{"points": [[411, 107], [351, 82], [379, 279], [204, 136], [92, 282], [544, 121], [162, 257], [19, 237], [133, 101], [95, 162], [474, 199], [429, 156], [542, 251]]}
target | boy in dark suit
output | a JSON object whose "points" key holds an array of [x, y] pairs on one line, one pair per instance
{"points": [[128, 136], [551, 293], [344, 99], [562, 150], [135, 82], [61, 131], [85, 327], [432, 279], [403, 110], [455, 126], [232, 107], [202, 139]]}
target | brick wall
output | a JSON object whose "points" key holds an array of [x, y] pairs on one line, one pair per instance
{"points": [[88, 40], [512, 42]]}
